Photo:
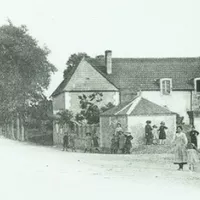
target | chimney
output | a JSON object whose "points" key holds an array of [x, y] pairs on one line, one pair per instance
{"points": [[108, 61]]}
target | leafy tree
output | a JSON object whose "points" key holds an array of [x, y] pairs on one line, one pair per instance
{"points": [[66, 117], [73, 61], [90, 108], [25, 69]]}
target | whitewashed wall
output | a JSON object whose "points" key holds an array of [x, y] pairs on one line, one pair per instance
{"points": [[72, 101], [179, 102], [136, 125]]}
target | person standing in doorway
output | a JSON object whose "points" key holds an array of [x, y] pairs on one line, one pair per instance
{"points": [[148, 133], [162, 133], [180, 142]]}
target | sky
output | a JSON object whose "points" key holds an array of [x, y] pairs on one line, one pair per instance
{"points": [[130, 28]]}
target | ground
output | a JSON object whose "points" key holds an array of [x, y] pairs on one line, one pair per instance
{"points": [[35, 172]]}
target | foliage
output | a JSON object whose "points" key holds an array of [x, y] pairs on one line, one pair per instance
{"points": [[73, 61], [66, 117], [91, 109], [40, 115], [25, 70]]}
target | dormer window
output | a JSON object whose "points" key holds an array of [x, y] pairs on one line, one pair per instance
{"points": [[197, 84], [166, 86]]}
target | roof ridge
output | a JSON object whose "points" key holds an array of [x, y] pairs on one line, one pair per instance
{"points": [[135, 102]]}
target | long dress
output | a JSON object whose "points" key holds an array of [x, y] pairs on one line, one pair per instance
{"points": [[180, 152], [148, 134], [162, 133]]}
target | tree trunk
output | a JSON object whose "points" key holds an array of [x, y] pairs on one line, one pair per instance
{"points": [[18, 128], [22, 131], [12, 130]]}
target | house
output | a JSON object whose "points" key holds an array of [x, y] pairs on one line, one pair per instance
{"points": [[132, 116], [170, 82]]}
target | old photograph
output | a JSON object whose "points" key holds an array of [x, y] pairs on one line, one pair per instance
{"points": [[99, 99]]}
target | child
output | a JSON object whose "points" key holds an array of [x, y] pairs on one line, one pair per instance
{"points": [[65, 141], [112, 146], [72, 139], [88, 143], [162, 133], [155, 134], [128, 144], [95, 142], [122, 140], [192, 155]]}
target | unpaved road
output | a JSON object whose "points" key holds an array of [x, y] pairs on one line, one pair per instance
{"points": [[35, 172]]}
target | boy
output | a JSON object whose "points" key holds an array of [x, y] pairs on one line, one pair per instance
{"points": [[65, 141]]}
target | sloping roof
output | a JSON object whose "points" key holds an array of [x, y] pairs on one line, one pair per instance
{"points": [[145, 73], [139, 106]]}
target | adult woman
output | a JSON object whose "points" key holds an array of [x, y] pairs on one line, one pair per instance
{"points": [[119, 129], [180, 141], [162, 133], [148, 133]]}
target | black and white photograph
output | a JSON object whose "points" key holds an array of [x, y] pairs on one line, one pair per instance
{"points": [[99, 99]]}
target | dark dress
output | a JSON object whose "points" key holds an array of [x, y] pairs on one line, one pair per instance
{"points": [[148, 134], [95, 141], [65, 141], [162, 133], [193, 137], [128, 144]]}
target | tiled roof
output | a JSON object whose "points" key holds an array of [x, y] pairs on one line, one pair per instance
{"points": [[142, 107], [144, 73]]}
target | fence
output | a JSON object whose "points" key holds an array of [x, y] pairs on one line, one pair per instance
{"points": [[80, 132]]}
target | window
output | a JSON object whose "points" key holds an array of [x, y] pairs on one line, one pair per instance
{"points": [[197, 84], [166, 86]]}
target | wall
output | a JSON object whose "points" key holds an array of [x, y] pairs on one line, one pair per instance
{"points": [[107, 128], [58, 102], [87, 78], [195, 101], [136, 125], [179, 102], [72, 101]]}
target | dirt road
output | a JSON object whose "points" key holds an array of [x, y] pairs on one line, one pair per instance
{"points": [[35, 172]]}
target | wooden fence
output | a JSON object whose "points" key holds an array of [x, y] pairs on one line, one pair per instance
{"points": [[13, 130], [80, 131]]}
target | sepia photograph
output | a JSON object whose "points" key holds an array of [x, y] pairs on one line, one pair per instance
{"points": [[99, 99]]}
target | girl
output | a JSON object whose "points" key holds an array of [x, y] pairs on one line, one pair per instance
{"points": [[192, 156], [180, 143], [162, 133], [122, 140], [65, 141], [88, 143], [155, 134], [95, 142], [128, 144]]}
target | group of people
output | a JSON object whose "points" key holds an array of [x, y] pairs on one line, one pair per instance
{"points": [[155, 135], [186, 148], [91, 142], [121, 141]]}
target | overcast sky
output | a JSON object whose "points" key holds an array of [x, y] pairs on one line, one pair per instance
{"points": [[130, 28]]}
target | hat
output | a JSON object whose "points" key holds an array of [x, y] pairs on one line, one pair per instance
{"points": [[148, 122], [118, 123], [162, 123]]}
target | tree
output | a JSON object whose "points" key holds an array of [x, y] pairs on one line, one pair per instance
{"points": [[73, 61], [25, 69], [91, 108], [66, 117]]}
